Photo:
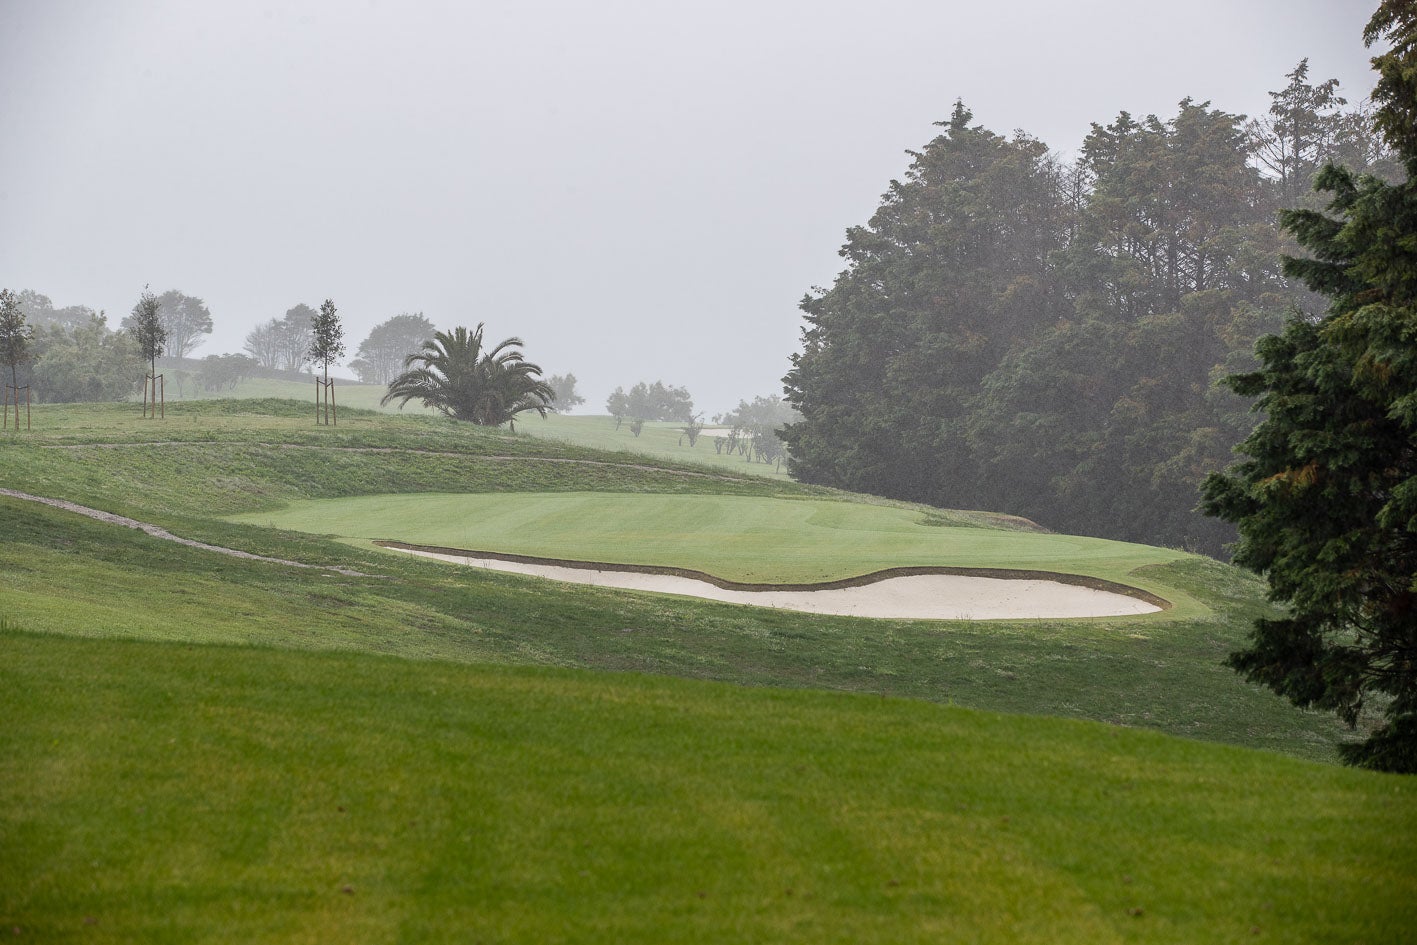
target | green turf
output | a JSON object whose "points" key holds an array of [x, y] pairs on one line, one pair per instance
{"points": [[71, 576], [740, 538], [182, 728], [173, 793]]}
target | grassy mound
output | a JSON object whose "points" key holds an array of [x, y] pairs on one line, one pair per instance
{"points": [[178, 793], [662, 441]]}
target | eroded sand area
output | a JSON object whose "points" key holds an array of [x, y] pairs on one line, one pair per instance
{"points": [[909, 597]]}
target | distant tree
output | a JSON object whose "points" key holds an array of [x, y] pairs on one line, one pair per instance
{"points": [[263, 344], [225, 371], [457, 376], [283, 344], [15, 335], [326, 346], [760, 424], [380, 356], [40, 312], [326, 338], [293, 336], [1326, 498], [618, 405], [691, 430], [87, 363], [1299, 134], [565, 387], [184, 319], [146, 328], [656, 401]]}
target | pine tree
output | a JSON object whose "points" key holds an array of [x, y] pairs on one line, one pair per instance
{"points": [[1326, 498]]}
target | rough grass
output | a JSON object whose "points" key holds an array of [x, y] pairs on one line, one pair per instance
{"points": [[663, 441], [179, 793]]}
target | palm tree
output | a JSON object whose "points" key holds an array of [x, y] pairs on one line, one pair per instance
{"points": [[456, 376]]}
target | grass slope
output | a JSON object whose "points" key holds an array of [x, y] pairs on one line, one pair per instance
{"points": [[664, 441], [178, 793], [69, 575]]}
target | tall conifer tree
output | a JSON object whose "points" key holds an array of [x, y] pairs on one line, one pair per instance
{"points": [[1326, 500]]}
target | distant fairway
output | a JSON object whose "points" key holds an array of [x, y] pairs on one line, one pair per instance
{"points": [[739, 538]]}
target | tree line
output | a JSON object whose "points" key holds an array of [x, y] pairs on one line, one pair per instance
{"points": [[1019, 333]]}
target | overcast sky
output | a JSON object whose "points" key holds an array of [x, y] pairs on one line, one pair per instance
{"points": [[640, 190]]}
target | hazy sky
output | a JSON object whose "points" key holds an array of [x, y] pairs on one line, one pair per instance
{"points": [[639, 190]]}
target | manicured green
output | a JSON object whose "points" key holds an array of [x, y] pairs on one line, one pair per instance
{"points": [[741, 538], [178, 793]]}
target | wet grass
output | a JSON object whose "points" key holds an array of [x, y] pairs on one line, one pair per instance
{"points": [[183, 793]]}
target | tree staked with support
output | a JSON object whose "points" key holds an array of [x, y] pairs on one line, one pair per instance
{"points": [[15, 337], [326, 346], [152, 340]]}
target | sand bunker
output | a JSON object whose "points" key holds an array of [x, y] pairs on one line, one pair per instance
{"points": [[904, 597]]}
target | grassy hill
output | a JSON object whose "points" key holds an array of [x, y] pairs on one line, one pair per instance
{"points": [[183, 726], [663, 441]]}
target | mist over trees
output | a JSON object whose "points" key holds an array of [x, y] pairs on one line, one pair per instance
{"points": [[564, 385], [40, 312], [86, 362], [381, 355], [657, 401], [1015, 333], [283, 344], [184, 320]]}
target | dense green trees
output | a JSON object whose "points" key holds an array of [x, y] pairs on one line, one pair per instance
{"points": [[1015, 334], [456, 375], [1326, 497], [87, 362]]}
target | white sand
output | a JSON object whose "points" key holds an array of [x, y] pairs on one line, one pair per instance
{"points": [[916, 597]]}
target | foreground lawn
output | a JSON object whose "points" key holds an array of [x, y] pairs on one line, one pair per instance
{"points": [[740, 538], [179, 793]]}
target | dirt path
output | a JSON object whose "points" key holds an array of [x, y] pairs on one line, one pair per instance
{"points": [[162, 533]]}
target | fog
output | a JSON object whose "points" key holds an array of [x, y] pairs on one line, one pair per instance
{"points": [[638, 190]]}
